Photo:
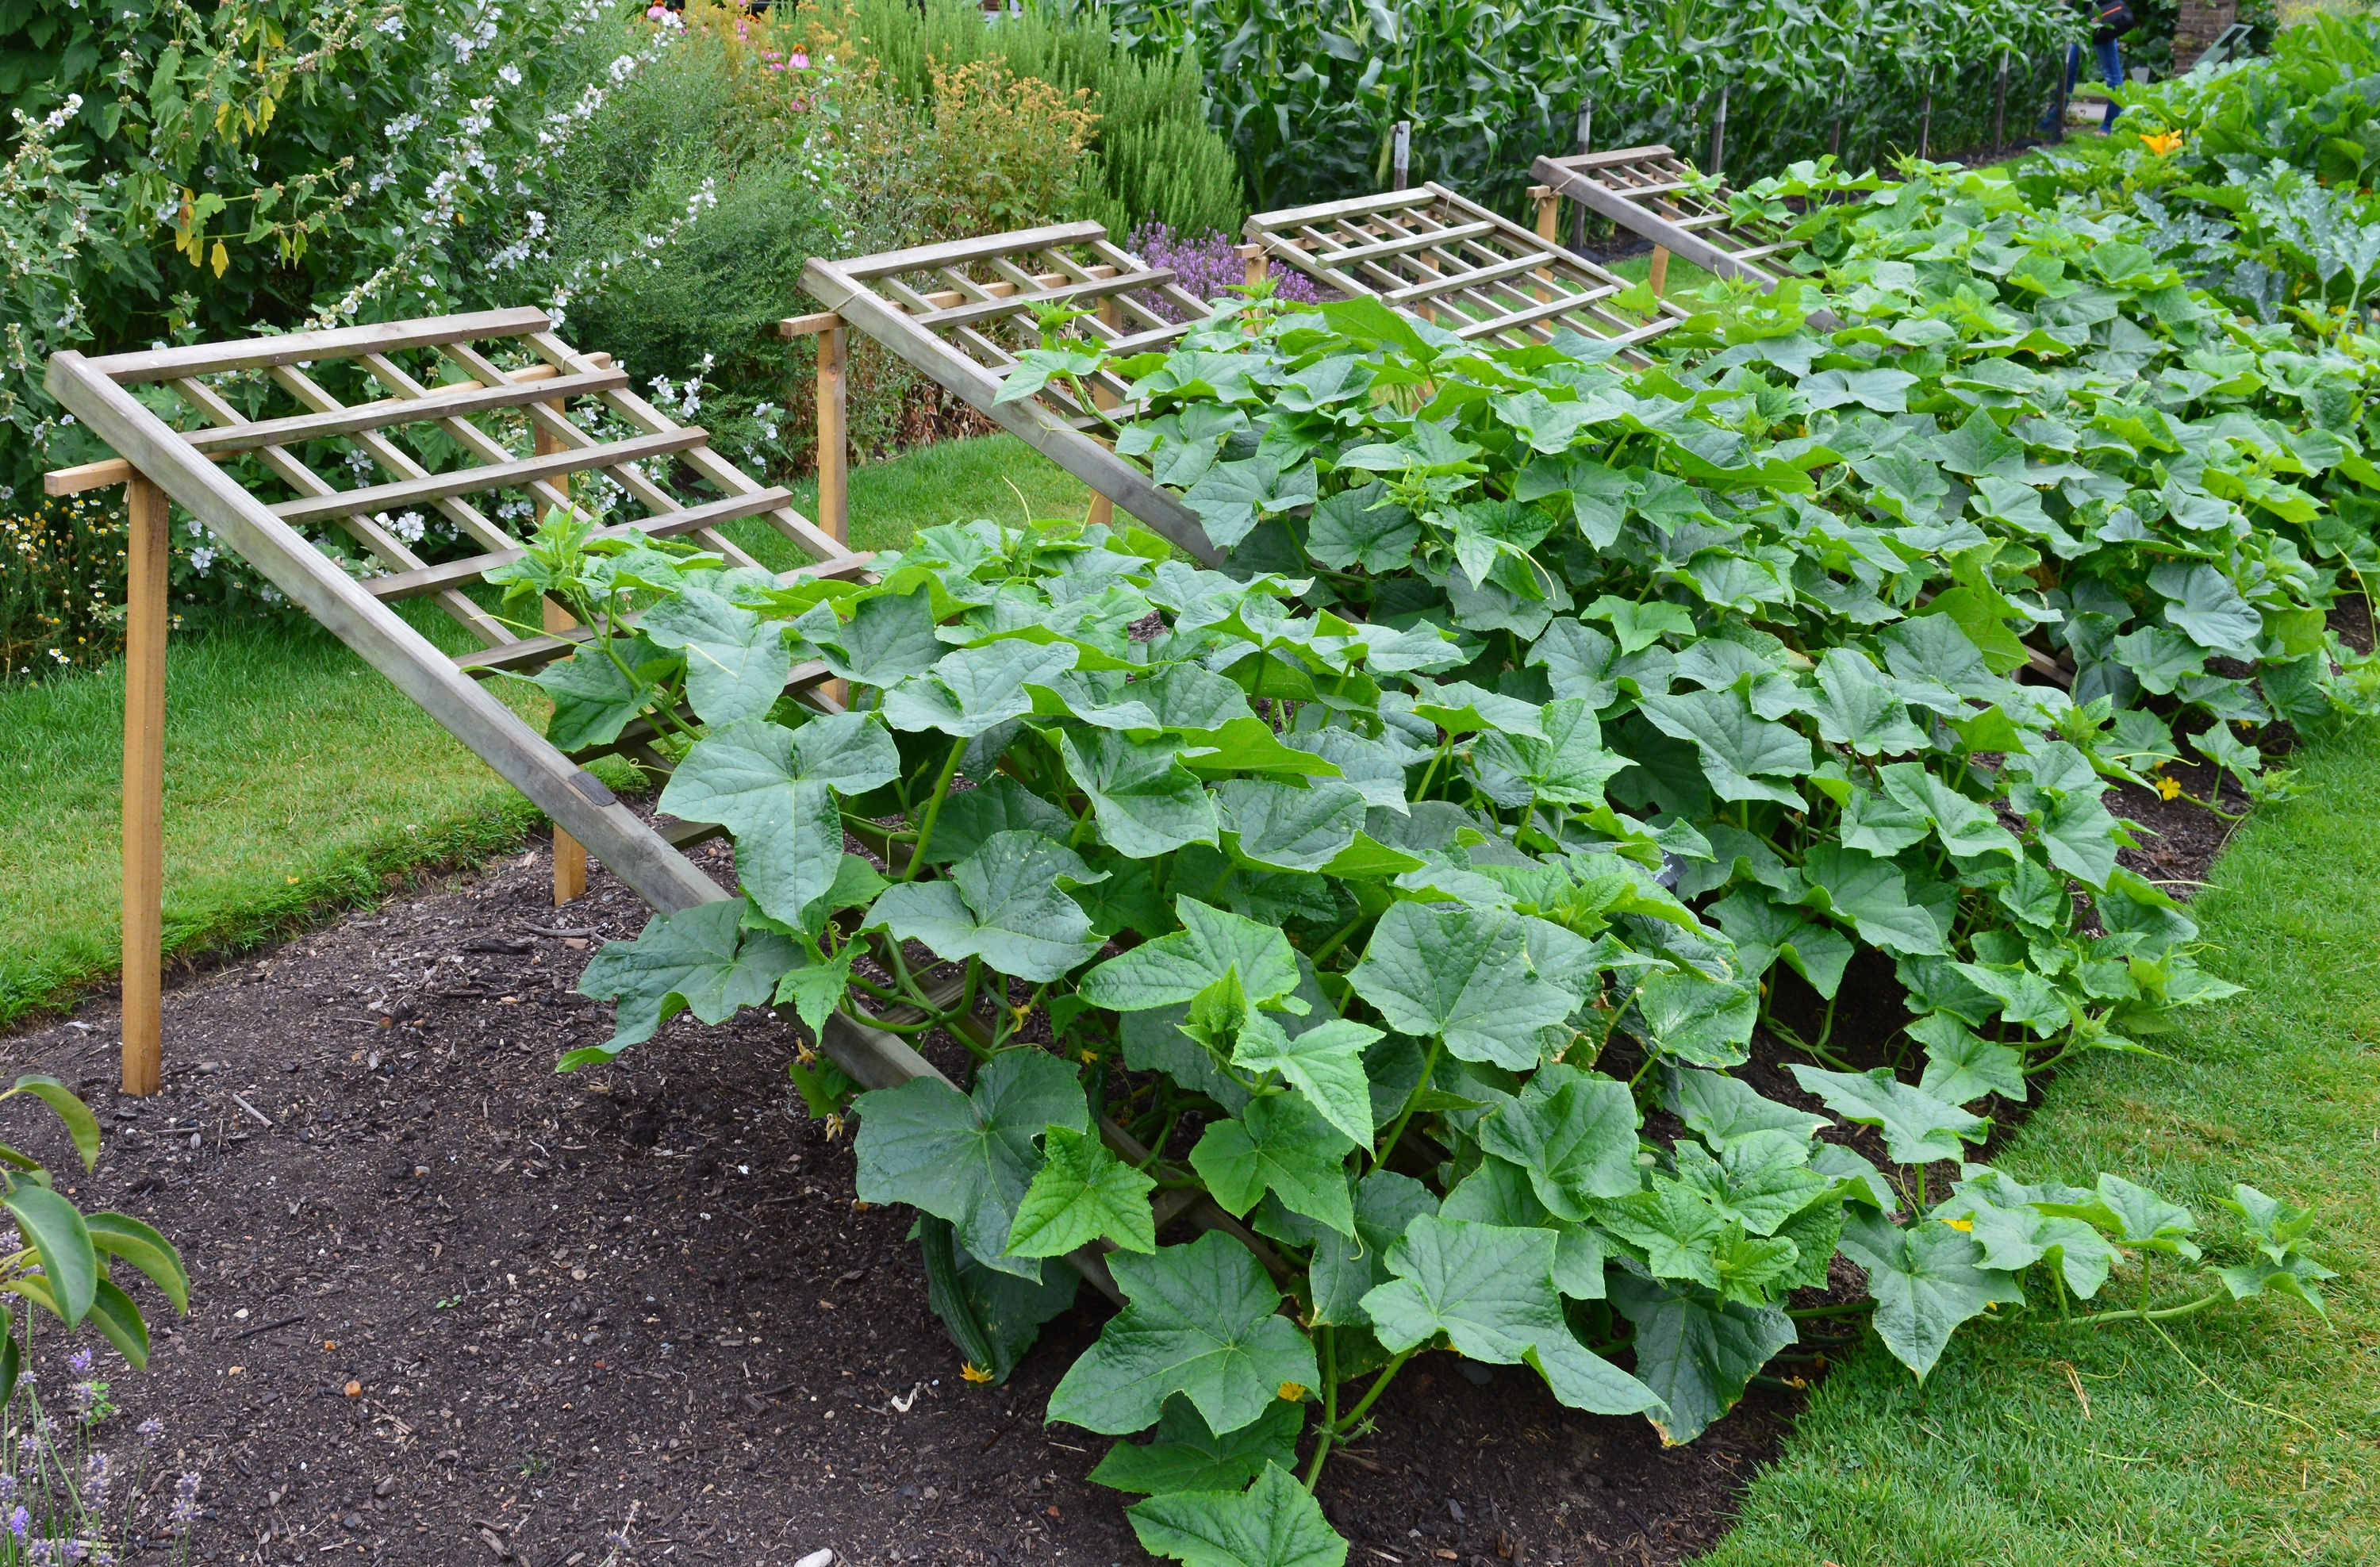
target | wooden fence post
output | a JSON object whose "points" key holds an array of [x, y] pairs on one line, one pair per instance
{"points": [[834, 434], [1549, 222], [569, 854], [144, 785], [1102, 512], [1719, 136], [1254, 268], [1401, 155]]}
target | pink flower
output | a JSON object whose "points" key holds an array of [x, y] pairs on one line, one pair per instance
{"points": [[801, 59], [656, 12], [777, 65]]}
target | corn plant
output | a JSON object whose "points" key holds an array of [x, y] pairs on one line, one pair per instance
{"points": [[1308, 90]]}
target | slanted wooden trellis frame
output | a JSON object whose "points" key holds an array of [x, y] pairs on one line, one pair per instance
{"points": [[963, 312], [1650, 191], [1473, 272], [157, 461]]}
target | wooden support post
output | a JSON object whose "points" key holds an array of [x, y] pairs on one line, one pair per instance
{"points": [[1549, 222], [144, 785], [1660, 275], [834, 434], [1102, 512], [1255, 269], [569, 854]]}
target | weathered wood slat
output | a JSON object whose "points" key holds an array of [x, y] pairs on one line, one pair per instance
{"points": [[658, 873], [1452, 235], [1038, 427], [472, 481], [390, 455], [1453, 279], [385, 547], [707, 464], [448, 574], [345, 342], [1020, 304], [439, 404], [926, 258]]}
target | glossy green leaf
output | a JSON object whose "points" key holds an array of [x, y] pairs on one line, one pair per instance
{"points": [[968, 1158], [1006, 903], [1201, 1320], [1274, 1523]]}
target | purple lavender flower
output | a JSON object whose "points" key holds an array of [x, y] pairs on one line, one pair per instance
{"points": [[186, 1503], [8, 1489], [80, 1363], [20, 1521], [97, 1474], [153, 1430], [1210, 266]]}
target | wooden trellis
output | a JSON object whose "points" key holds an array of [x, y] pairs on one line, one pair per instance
{"points": [[963, 312], [1452, 261], [425, 374], [1650, 191]]}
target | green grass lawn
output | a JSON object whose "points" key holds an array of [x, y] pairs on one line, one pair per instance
{"points": [[2247, 1434], [295, 777]]}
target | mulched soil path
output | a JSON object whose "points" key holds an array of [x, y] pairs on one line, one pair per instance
{"points": [[452, 1307]]}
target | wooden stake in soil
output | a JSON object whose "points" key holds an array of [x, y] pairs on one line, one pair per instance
{"points": [[1660, 275], [834, 434], [1403, 155], [1102, 512], [144, 785], [569, 854], [1719, 137]]}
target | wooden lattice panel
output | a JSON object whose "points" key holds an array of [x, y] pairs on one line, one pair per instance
{"points": [[1652, 192], [299, 413], [963, 312], [1454, 262]]}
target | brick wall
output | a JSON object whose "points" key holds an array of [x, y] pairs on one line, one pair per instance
{"points": [[2200, 22]]}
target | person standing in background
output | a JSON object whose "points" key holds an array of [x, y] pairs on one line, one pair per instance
{"points": [[2110, 21]]}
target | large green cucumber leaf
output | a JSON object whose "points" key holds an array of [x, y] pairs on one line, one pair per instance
{"points": [[1490, 1290], [1738, 750], [775, 789], [1575, 1133], [1280, 1143], [1463, 973], [1147, 803], [1917, 1127], [1081, 1194], [1284, 826], [1186, 1456], [1177, 967], [1276, 1523], [1695, 1351], [1202, 1321], [1325, 1062], [1696, 1020], [700, 958], [970, 690], [889, 637], [735, 662], [1926, 1280], [1722, 1109], [968, 1158], [1006, 903]]}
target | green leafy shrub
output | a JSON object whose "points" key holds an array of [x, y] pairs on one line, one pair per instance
{"points": [[1153, 158]]}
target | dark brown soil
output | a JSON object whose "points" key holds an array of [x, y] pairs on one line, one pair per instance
{"points": [[644, 1298]]}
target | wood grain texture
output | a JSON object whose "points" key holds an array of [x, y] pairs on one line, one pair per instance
{"points": [[144, 785]]}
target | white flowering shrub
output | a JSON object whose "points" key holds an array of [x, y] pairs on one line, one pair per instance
{"points": [[190, 171]]}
